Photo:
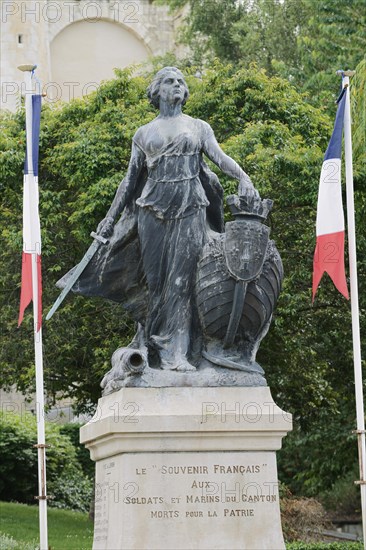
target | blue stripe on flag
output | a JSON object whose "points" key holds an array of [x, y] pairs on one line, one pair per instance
{"points": [[36, 123], [334, 150]]}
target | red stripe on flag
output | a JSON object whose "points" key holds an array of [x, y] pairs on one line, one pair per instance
{"points": [[39, 286], [329, 257], [26, 293]]}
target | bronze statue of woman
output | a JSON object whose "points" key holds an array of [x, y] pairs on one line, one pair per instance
{"points": [[169, 201]]}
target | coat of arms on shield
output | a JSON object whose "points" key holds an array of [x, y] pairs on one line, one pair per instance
{"points": [[245, 248]]}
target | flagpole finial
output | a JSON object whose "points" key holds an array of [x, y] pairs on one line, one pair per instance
{"points": [[346, 73], [25, 68]]}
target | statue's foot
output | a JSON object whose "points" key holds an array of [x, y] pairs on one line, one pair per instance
{"points": [[181, 365], [185, 367]]}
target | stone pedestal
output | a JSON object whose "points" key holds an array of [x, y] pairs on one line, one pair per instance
{"points": [[187, 468]]}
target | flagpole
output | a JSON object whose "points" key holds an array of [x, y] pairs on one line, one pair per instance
{"points": [[38, 348], [354, 301]]}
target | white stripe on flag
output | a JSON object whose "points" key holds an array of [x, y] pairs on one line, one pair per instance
{"points": [[31, 223], [330, 218]]}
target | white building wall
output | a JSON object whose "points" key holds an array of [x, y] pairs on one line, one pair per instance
{"points": [[78, 42], [24, 40]]}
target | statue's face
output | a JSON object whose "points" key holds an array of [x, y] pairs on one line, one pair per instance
{"points": [[172, 88]]}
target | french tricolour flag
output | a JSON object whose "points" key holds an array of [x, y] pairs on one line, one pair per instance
{"points": [[329, 250], [31, 224]]}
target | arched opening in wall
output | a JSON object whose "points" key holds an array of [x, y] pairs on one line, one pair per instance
{"points": [[84, 53]]}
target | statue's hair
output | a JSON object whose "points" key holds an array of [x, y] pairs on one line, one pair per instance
{"points": [[154, 88]]}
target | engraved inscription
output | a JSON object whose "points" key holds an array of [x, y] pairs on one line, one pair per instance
{"points": [[238, 485], [154, 495]]}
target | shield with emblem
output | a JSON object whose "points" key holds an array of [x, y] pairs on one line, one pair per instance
{"points": [[245, 248]]}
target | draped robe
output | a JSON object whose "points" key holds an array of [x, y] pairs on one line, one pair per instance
{"points": [[149, 264]]}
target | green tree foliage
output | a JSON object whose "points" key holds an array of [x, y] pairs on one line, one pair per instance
{"points": [[305, 41], [261, 31], [358, 83], [279, 139], [66, 482], [332, 38]]}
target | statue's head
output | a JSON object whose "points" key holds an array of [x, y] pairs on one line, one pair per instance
{"points": [[153, 91]]}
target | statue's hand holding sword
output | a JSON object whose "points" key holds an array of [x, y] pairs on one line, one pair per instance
{"points": [[104, 230]]}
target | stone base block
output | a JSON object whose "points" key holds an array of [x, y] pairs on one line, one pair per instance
{"points": [[187, 468]]}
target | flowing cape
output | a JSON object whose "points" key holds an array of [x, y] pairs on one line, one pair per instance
{"points": [[115, 272]]}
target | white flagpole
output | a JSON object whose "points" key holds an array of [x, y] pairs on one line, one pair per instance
{"points": [[354, 301], [41, 443]]}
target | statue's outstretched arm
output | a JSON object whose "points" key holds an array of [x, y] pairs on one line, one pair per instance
{"points": [[214, 152], [124, 192]]}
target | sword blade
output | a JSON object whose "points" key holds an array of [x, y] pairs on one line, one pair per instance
{"points": [[78, 271]]}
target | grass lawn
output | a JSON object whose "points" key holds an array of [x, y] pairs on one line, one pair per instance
{"points": [[66, 530]]}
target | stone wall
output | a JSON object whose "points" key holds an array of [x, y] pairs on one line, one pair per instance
{"points": [[77, 43]]}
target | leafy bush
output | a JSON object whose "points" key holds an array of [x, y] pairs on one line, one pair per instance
{"points": [[8, 543], [308, 463], [344, 498], [18, 468], [72, 430], [324, 546], [72, 491]]}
